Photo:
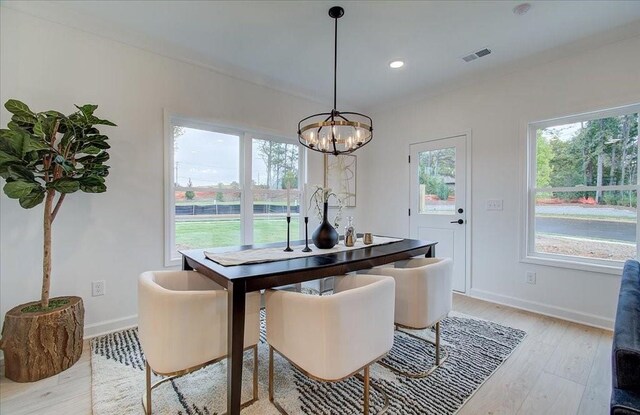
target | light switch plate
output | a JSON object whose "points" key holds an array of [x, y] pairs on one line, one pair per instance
{"points": [[97, 288], [494, 204], [531, 277]]}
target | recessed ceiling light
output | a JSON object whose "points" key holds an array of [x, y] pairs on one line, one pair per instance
{"points": [[521, 9], [396, 64]]}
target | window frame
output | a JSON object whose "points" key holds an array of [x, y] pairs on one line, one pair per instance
{"points": [[528, 252], [246, 135]]}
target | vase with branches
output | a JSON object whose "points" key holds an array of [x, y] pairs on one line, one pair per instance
{"points": [[325, 236]]}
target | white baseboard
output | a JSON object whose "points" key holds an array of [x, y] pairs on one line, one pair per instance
{"points": [[544, 309], [109, 326]]}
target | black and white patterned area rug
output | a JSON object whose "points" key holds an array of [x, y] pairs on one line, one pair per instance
{"points": [[476, 348]]}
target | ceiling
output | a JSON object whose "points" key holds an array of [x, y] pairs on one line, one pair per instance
{"points": [[288, 45]]}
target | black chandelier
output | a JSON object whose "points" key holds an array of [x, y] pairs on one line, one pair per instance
{"points": [[332, 132]]}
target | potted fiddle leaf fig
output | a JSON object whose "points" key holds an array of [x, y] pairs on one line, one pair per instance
{"points": [[45, 156]]}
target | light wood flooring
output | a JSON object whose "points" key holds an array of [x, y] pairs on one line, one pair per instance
{"points": [[560, 368]]}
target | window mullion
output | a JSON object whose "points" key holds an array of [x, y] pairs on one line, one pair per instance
{"points": [[246, 223]]}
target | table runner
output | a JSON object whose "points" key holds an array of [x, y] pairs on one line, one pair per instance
{"points": [[256, 256]]}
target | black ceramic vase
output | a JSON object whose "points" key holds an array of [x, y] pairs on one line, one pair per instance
{"points": [[325, 236]]}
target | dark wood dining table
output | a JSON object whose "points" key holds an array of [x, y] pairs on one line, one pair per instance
{"points": [[241, 279]]}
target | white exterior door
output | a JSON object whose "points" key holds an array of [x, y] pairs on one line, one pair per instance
{"points": [[438, 209]]}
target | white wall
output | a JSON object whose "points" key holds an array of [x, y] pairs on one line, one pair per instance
{"points": [[98, 237], [497, 112]]}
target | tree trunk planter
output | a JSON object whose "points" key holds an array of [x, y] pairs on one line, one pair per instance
{"points": [[40, 344]]}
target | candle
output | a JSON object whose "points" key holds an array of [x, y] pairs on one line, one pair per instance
{"points": [[288, 200], [305, 199]]}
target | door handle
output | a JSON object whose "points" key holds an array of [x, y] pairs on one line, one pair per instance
{"points": [[459, 221]]}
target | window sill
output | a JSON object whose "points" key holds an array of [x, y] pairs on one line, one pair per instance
{"points": [[615, 268]]}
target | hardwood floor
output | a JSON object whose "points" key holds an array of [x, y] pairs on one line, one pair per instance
{"points": [[560, 368]]}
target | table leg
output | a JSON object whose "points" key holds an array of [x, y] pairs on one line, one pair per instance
{"points": [[235, 345], [431, 253], [185, 264]]}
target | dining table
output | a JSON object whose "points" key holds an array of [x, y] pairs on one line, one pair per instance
{"points": [[244, 278]]}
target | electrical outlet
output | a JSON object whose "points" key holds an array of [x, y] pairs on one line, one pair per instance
{"points": [[97, 288], [531, 277], [494, 204]]}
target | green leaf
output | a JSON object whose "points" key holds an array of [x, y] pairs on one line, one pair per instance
{"points": [[95, 137], [55, 114], [19, 188], [67, 137], [101, 170], [87, 109], [30, 144], [92, 184], [102, 145], [12, 141], [7, 158], [32, 199], [18, 172], [43, 128], [95, 120], [18, 108], [38, 129], [65, 185], [12, 125], [101, 158], [25, 120], [4, 172], [90, 150]]}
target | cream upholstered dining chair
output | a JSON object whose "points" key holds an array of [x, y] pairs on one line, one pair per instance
{"points": [[182, 323], [424, 289], [333, 337]]}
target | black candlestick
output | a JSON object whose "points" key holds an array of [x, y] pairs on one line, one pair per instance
{"points": [[306, 235], [288, 248]]}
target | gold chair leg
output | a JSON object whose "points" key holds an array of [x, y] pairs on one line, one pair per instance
{"points": [[146, 398], [255, 372], [365, 379], [439, 360], [148, 383], [272, 384], [367, 387], [438, 343], [366, 390], [270, 373]]}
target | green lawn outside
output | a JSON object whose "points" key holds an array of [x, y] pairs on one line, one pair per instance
{"points": [[226, 232]]}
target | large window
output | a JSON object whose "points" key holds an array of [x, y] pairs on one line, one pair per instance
{"points": [[583, 189], [228, 187]]}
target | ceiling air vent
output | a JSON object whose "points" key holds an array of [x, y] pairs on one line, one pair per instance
{"points": [[476, 55]]}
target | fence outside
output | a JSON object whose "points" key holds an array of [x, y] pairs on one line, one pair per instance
{"points": [[192, 210]]}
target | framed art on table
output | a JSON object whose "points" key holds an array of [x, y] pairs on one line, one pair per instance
{"points": [[340, 176]]}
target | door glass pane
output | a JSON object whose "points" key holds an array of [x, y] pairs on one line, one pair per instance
{"points": [[207, 190], [574, 224], [437, 181], [275, 168]]}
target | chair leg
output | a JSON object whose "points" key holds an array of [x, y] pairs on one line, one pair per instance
{"points": [[148, 390], [366, 390], [270, 373], [438, 343], [439, 360], [272, 384], [255, 372]]}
